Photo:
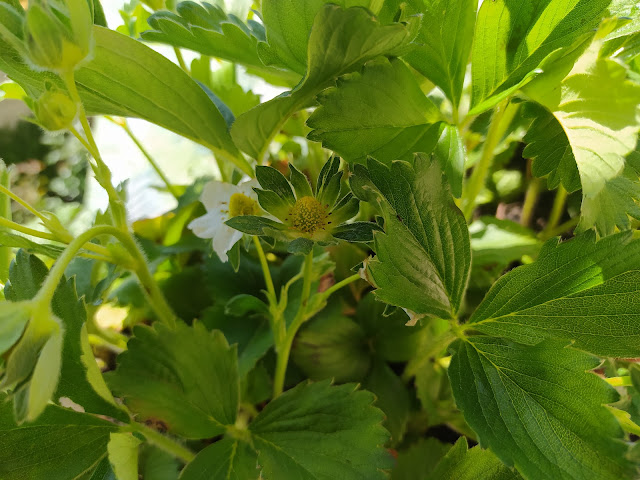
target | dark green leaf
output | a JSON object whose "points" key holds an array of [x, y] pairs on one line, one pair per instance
{"points": [[322, 432], [538, 408], [60, 445], [423, 258], [462, 463], [356, 231], [451, 153], [272, 179], [129, 79], [445, 36], [300, 246], [419, 460], [580, 290], [254, 225], [185, 377], [227, 459], [379, 111], [341, 41]]}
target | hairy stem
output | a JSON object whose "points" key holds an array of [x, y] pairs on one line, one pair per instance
{"points": [[502, 118], [163, 442], [558, 209], [530, 201], [284, 348], [265, 269]]}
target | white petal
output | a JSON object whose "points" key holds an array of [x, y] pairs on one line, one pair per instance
{"points": [[246, 188], [208, 225], [224, 240], [216, 195]]}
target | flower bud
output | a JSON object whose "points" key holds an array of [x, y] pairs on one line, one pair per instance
{"points": [[54, 110], [59, 41]]}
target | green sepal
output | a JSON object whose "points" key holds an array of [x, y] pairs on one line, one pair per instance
{"points": [[356, 232], [273, 203], [271, 179], [245, 304], [345, 210], [330, 190], [300, 246], [329, 169], [254, 225], [300, 183]]}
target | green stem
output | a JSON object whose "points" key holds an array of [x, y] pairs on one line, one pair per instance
{"points": [[150, 287], [104, 253], [5, 214], [435, 347], [343, 283], [237, 159], [150, 159], [161, 441], [565, 227], [265, 270], [22, 202], [530, 201], [284, 348], [45, 295], [181, 62], [558, 209], [103, 175], [502, 118]]}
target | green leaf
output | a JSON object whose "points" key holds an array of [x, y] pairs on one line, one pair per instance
{"points": [[13, 319], [103, 471], [580, 290], [538, 408], [379, 111], [341, 41], [288, 24], [446, 35], [462, 463], [254, 225], [332, 346], [513, 38], [428, 274], [208, 30], [501, 242], [156, 464], [451, 153], [186, 378], [321, 432], [419, 460], [80, 379], [227, 459], [60, 445], [127, 78], [598, 119], [356, 232], [8, 239], [123, 455], [392, 397]]}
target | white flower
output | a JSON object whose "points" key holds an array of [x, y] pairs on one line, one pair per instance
{"points": [[223, 201]]}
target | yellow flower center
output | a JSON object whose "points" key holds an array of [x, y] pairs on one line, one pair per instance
{"points": [[240, 204], [308, 215]]}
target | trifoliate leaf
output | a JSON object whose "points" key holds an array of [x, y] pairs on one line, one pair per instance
{"points": [[185, 377], [379, 111], [513, 37], [288, 24], [423, 258], [227, 459], [579, 291], [539, 409], [341, 41], [60, 445], [321, 432], [445, 39], [462, 463], [207, 29], [596, 107], [80, 379]]}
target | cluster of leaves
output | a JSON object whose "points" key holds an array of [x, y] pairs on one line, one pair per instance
{"points": [[475, 325]]}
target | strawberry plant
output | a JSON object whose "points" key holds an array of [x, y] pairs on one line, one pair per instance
{"points": [[419, 261]]}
